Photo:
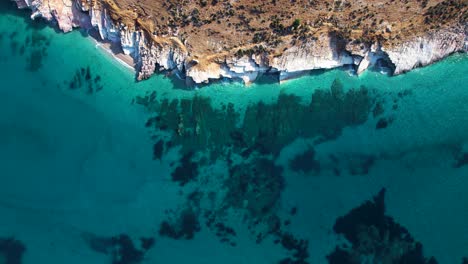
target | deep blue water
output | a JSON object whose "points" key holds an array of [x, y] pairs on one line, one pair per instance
{"points": [[327, 168]]}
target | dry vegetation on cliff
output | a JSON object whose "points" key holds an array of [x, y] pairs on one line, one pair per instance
{"points": [[216, 27]]}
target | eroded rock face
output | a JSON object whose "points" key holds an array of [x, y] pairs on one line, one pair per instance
{"points": [[154, 53], [425, 50], [152, 57], [324, 53], [67, 13]]}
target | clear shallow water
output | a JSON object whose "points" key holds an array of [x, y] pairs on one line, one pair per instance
{"points": [[78, 165]]}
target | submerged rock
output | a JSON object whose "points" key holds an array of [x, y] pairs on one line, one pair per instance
{"points": [[372, 233], [183, 226], [305, 162], [461, 159], [383, 123], [120, 248], [298, 247], [186, 171], [265, 128], [83, 79], [11, 251], [255, 186]]}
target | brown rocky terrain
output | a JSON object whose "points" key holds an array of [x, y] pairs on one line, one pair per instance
{"points": [[210, 39], [208, 27]]}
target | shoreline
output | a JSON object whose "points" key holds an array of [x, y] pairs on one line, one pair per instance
{"points": [[160, 54], [121, 58], [125, 60]]}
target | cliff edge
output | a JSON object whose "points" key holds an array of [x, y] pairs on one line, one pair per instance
{"points": [[205, 40]]}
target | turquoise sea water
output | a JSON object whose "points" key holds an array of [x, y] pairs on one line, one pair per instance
{"points": [[327, 168]]}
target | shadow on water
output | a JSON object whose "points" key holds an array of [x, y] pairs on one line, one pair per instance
{"points": [[177, 80], [10, 8], [181, 82], [267, 79]]}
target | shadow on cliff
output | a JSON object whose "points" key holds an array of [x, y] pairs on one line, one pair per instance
{"points": [[10, 8], [182, 82], [383, 64]]}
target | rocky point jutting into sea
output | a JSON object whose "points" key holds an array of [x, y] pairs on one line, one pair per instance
{"points": [[324, 35]]}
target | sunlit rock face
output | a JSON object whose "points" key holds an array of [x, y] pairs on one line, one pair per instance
{"points": [[326, 52], [154, 53], [67, 13], [427, 49]]}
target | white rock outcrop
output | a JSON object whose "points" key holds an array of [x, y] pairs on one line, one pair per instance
{"points": [[325, 52], [425, 50]]}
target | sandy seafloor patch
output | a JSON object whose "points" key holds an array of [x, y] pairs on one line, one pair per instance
{"points": [[77, 161]]}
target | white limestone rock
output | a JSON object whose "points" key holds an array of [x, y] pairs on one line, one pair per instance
{"points": [[425, 50], [328, 51]]}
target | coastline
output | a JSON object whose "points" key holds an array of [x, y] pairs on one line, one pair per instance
{"points": [[123, 59], [156, 54]]}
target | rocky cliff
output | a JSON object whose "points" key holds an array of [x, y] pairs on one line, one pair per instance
{"points": [[325, 50]]}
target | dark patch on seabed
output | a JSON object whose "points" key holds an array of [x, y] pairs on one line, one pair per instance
{"points": [[374, 235], [461, 159], [382, 106], [33, 47], [378, 109], [265, 129], [305, 162], [183, 226], [254, 186], [254, 183], [84, 78], [183, 223], [225, 233], [158, 149], [298, 248], [355, 164], [11, 251], [187, 170], [383, 123], [360, 164], [121, 248]]}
